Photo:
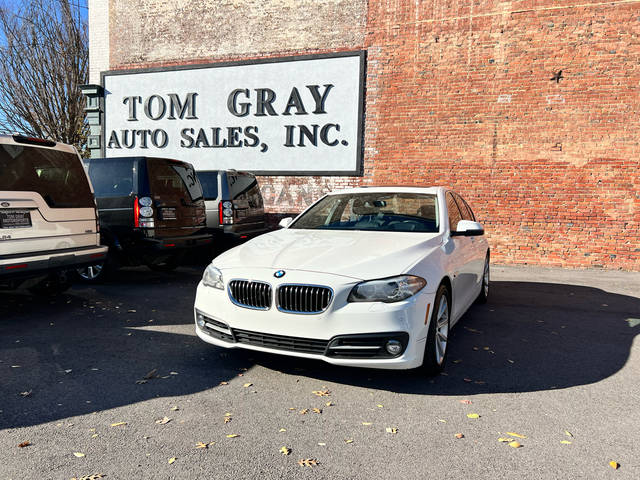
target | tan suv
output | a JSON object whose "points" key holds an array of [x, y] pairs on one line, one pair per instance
{"points": [[48, 220]]}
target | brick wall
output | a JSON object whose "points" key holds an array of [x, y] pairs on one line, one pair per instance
{"points": [[458, 94]]}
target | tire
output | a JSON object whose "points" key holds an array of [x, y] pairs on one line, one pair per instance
{"points": [[167, 266], [483, 296], [98, 272], [52, 285], [436, 347]]}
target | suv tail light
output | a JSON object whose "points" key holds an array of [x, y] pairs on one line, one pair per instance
{"points": [[225, 213], [143, 213]]}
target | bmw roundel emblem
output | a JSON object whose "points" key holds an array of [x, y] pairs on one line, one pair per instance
{"points": [[279, 274]]}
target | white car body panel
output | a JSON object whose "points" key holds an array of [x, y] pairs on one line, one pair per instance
{"points": [[339, 259]]}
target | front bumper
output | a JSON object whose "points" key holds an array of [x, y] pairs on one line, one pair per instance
{"points": [[348, 334]]}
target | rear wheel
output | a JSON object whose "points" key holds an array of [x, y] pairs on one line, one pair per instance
{"points": [[435, 350], [483, 296], [98, 272]]}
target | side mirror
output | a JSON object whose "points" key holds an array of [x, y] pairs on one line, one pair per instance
{"points": [[468, 228], [285, 222]]}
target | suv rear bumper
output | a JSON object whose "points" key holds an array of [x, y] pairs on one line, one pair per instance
{"points": [[176, 243], [39, 263]]}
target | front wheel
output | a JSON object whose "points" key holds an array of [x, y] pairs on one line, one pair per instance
{"points": [[435, 350]]}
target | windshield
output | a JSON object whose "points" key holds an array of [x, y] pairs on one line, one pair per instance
{"points": [[383, 211], [58, 176]]}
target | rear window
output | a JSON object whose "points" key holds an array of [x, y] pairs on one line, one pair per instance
{"points": [[241, 185], [209, 181], [112, 178], [177, 180], [56, 175]]}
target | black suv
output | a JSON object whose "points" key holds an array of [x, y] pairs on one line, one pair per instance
{"points": [[235, 209], [151, 212]]}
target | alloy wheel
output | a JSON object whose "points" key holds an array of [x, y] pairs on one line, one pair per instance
{"points": [[442, 330], [91, 272]]}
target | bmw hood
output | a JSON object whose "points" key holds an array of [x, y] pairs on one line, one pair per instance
{"points": [[356, 254]]}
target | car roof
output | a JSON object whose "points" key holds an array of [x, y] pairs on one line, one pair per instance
{"points": [[391, 189], [10, 140]]}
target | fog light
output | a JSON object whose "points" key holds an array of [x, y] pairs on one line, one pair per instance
{"points": [[200, 320], [394, 347]]}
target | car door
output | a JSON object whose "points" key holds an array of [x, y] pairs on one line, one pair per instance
{"points": [[477, 247], [459, 254]]}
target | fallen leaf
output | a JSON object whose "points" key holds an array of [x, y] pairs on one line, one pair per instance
{"points": [[307, 462], [174, 408], [568, 434], [515, 435], [151, 374], [227, 419], [473, 415], [247, 385], [285, 450], [94, 435], [367, 423], [78, 454], [466, 402], [223, 383], [468, 380], [233, 435], [510, 361], [457, 361], [391, 430], [26, 394], [282, 430], [292, 408], [202, 445], [614, 465], [317, 410], [174, 373], [442, 421], [163, 421], [172, 459], [140, 382], [118, 424], [505, 440], [329, 404], [514, 444], [228, 414], [321, 393], [322, 444], [304, 411], [95, 476], [459, 435], [565, 442], [24, 444], [380, 406], [348, 440], [131, 311]]}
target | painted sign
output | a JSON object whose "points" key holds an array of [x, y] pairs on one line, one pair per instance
{"points": [[298, 115]]}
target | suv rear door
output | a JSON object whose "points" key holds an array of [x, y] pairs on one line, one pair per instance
{"points": [[177, 196], [247, 203], [46, 202]]}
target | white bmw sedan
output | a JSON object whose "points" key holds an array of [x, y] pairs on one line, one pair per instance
{"points": [[368, 277]]}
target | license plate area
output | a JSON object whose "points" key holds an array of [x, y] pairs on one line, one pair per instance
{"points": [[15, 219], [168, 213]]}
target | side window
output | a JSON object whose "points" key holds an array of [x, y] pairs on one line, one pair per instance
{"points": [[464, 208], [454, 213]]}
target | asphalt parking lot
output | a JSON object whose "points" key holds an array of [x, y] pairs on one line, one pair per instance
{"points": [[112, 380]]}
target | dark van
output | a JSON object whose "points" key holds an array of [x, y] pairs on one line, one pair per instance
{"points": [[151, 212]]}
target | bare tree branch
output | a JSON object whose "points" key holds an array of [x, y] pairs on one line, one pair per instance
{"points": [[44, 58]]}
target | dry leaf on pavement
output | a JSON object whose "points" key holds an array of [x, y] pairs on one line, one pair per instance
{"points": [[247, 385], [568, 433], [233, 435], [24, 444], [348, 440], [367, 423], [202, 445], [473, 415], [172, 459], [227, 419], [614, 465], [307, 462], [118, 424], [95, 476], [459, 435], [27, 393], [304, 411], [322, 393], [505, 440], [466, 402], [285, 450], [391, 430], [223, 383], [512, 434], [174, 408], [78, 454], [163, 421], [329, 404], [515, 444], [282, 430], [565, 442], [317, 410]]}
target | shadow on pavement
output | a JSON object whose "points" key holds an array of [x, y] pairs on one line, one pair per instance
{"points": [[84, 351], [529, 337]]}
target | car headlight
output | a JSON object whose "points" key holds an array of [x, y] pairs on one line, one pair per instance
{"points": [[213, 278], [387, 290]]}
